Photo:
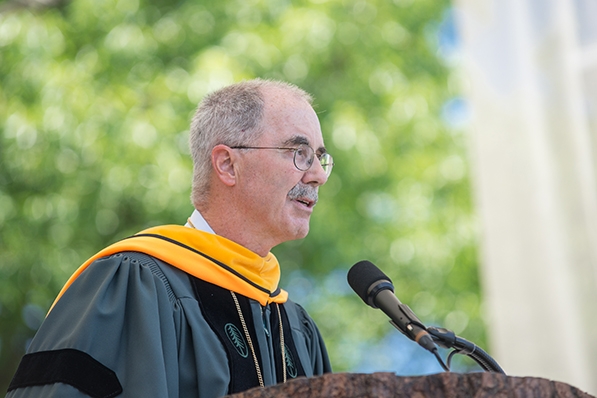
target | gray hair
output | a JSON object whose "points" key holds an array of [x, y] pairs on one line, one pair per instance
{"points": [[231, 116]]}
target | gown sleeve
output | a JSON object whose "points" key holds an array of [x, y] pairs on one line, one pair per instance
{"points": [[121, 329]]}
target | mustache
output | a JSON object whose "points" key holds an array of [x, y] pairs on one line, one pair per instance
{"points": [[301, 190]]}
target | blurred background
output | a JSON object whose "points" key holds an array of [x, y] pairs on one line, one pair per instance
{"points": [[463, 135]]}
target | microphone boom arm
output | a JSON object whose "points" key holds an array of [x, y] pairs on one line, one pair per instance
{"points": [[447, 339]]}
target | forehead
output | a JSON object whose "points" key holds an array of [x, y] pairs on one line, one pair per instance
{"points": [[290, 120]]}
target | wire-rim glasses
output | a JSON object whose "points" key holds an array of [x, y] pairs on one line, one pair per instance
{"points": [[303, 156]]}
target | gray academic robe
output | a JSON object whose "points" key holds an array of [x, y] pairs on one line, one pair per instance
{"points": [[139, 318]]}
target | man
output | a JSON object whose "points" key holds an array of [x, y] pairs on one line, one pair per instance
{"points": [[195, 310]]}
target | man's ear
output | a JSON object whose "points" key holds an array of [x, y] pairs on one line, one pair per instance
{"points": [[223, 161]]}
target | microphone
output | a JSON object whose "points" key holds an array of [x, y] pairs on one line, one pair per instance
{"points": [[377, 291]]}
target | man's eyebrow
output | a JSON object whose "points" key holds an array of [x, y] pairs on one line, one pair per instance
{"points": [[296, 140], [299, 139]]}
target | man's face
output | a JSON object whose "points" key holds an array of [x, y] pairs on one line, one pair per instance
{"points": [[278, 198]]}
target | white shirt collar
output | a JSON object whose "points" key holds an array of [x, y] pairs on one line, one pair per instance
{"points": [[198, 222]]}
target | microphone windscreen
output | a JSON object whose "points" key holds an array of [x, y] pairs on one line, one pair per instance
{"points": [[362, 275]]}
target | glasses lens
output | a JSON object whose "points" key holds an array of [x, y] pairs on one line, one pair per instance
{"points": [[303, 157], [327, 162]]}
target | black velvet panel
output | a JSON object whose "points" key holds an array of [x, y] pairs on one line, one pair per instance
{"points": [[68, 366], [218, 308], [294, 368]]}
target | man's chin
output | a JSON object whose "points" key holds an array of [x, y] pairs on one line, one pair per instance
{"points": [[301, 232], [303, 235]]}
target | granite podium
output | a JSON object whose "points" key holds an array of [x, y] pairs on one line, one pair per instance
{"points": [[441, 385]]}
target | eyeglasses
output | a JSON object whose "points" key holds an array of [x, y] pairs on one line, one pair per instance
{"points": [[303, 157]]}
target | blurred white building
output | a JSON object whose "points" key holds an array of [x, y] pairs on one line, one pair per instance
{"points": [[531, 68]]}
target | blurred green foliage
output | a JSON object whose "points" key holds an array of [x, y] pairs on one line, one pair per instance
{"points": [[95, 103]]}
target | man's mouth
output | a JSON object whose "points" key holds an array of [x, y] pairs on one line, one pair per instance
{"points": [[306, 202], [304, 194]]}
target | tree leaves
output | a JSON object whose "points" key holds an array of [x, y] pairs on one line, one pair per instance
{"points": [[95, 104]]}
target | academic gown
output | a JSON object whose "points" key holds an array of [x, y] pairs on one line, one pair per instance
{"points": [[130, 325]]}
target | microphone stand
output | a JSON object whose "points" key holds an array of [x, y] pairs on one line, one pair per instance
{"points": [[447, 339], [377, 291]]}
